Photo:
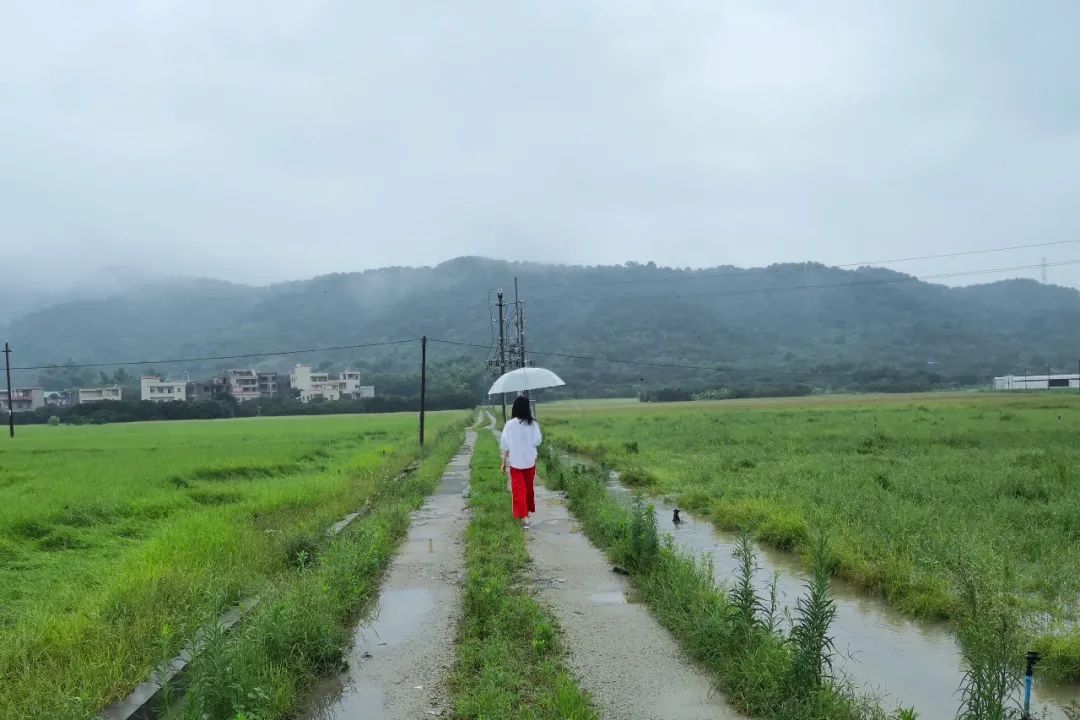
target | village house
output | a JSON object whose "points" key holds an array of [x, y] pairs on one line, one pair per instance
{"points": [[23, 399], [110, 393], [154, 389], [328, 386]]}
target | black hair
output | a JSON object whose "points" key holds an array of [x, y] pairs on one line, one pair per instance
{"points": [[522, 410]]}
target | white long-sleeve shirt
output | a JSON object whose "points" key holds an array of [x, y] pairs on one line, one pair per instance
{"points": [[521, 441]]}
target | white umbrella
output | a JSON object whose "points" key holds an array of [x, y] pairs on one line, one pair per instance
{"points": [[527, 378]]}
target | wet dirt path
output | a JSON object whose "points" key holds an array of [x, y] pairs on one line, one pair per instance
{"points": [[400, 655], [618, 652]]}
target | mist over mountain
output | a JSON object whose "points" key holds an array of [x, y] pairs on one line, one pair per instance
{"points": [[804, 323], [19, 296]]}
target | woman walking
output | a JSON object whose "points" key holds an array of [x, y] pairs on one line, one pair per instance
{"points": [[520, 438]]}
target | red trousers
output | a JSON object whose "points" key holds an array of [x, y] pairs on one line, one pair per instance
{"points": [[521, 488]]}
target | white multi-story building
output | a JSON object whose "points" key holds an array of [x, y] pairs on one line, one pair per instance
{"points": [[154, 389], [100, 394], [23, 399], [328, 386], [243, 384]]}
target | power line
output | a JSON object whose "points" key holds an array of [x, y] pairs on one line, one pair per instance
{"points": [[778, 270], [820, 286], [620, 361], [220, 357], [649, 363]]}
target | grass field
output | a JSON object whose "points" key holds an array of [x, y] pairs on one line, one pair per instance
{"points": [[906, 487], [117, 540]]}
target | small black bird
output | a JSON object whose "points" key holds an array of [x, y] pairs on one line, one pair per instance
{"points": [[675, 517]]}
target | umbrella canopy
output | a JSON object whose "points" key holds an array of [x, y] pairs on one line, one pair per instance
{"points": [[522, 379]]}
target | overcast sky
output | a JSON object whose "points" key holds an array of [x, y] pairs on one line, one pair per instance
{"points": [[271, 140]]}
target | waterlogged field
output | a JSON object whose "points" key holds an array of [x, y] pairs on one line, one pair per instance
{"points": [[909, 489], [117, 541]]}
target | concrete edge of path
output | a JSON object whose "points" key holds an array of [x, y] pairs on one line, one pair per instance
{"points": [[618, 652]]}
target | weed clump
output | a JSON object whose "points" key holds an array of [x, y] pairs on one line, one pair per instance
{"points": [[637, 477], [812, 647], [988, 625], [301, 549]]}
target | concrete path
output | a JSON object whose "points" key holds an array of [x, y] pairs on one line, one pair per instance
{"points": [[631, 666], [400, 656]]}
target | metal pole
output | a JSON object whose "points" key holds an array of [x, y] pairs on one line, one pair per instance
{"points": [[10, 395], [521, 328], [1032, 658], [423, 384], [502, 349]]}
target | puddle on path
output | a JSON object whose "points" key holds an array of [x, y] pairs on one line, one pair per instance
{"points": [[557, 526], [901, 661], [401, 613], [453, 482], [333, 701], [613, 598], [419, 546]]}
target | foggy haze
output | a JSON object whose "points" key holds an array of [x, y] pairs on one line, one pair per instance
{"points": [[258, 142]]}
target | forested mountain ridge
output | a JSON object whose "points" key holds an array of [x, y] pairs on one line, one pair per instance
{"points": [[804, 323]]}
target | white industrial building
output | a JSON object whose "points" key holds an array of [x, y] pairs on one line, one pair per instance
{"points": [[1037, 382], [154, 389], [328, 386]]}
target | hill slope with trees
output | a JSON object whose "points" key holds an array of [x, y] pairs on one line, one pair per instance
{"points": [[785, 325]]}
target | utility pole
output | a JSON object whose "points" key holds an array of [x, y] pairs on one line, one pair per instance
{"points": [[423, 384], [520, 326], [502, 349], [10, 395]]}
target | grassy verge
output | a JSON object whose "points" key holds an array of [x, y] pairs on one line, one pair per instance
{"points": [[737, 637], [266, 668], [509, 658], [903, 486], [117, 542]]}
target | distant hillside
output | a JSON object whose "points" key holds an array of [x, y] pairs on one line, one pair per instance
{"points": [[750, 325]]}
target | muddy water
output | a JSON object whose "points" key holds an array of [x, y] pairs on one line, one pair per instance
{"points": [[401, 613], [899, 660]]}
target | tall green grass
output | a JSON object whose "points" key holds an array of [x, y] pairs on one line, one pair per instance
{"points": [[901, 487], [509, 659], [763, 671], [300, 631], [116, 542]]}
